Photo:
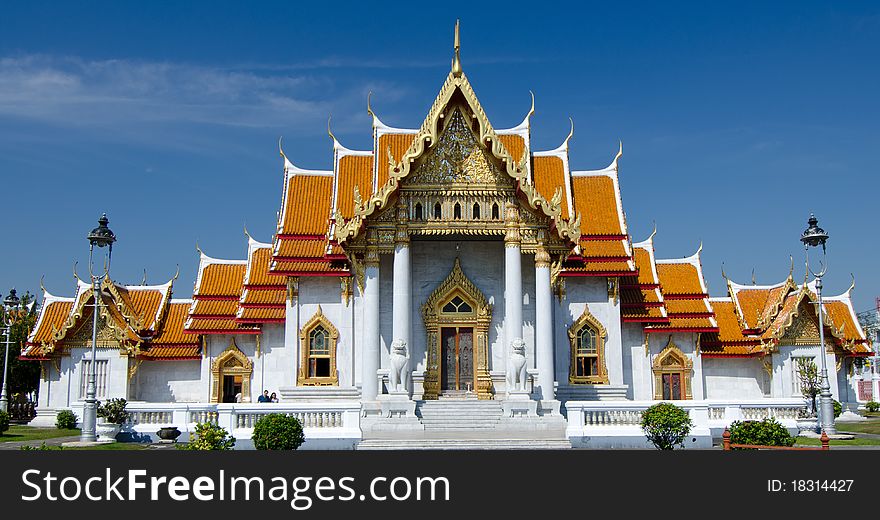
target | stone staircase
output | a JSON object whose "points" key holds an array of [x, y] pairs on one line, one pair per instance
{"points": [[457, 415], [468, 424]]}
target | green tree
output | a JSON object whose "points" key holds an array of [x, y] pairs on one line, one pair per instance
{"points": [[666, 425], [23, 376], [811, 381], [278, 431]]}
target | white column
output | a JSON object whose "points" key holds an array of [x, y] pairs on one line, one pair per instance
{"points": [[402, 297], [513, 295], [544, 324], [370, 341]]}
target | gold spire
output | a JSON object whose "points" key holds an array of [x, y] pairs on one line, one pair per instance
{"points": [[456, 60]]}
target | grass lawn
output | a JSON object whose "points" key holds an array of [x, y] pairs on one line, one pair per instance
{"points": [[869, 426], [858, 441], [109, 446], [17, 432]]}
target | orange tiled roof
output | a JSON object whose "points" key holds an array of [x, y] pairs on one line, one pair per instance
{"points": [[261, 315], [679, 279], [604, 248], [214, 308], [597, 268], [283, 266], [686, 324], [210, 326], [301, 248], [729, 340], [220, 279], [174, 352], [595, 198], [549, 174], [514, 144], [171, 332], [306, 208], [259, 259], [653, 314], [354, 170], [687, 306], [51, 319], [264, 297], [399, 144], [635, 295]]}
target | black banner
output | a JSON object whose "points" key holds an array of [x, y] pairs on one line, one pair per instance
{"points": [[434, 483]]}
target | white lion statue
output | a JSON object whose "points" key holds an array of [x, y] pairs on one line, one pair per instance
{"points": [[398, 378], [516, 366]]}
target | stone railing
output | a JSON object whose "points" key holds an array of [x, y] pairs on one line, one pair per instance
{"points": [[319, 420], [608, 419]]}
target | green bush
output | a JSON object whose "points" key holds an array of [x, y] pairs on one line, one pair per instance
{"points": [[41, 447], [65, 420], [838, 409], [113, 411], [207, 437], [278, 431], [767, 432], [4, 422], [666, 425], [872, 406]]}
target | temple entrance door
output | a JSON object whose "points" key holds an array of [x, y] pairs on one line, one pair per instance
{"points": [[457, 372]]}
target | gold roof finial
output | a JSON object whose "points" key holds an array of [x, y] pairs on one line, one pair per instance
{"points": [[852, 285], [329, 131], [144, 281], [369, 108], [176, 274], [246, 232], [456, 60], [723, 274], [654, 231], [753, 277]]}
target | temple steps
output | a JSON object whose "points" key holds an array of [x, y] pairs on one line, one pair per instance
{"points": [[464, 444], [465, 414]]}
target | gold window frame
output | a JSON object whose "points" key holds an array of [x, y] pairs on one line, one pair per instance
{"points": [[303, 378], [671, 360], [586, 319]]}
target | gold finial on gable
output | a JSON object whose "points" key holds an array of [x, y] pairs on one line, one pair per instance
{"points": [[456, 60]]}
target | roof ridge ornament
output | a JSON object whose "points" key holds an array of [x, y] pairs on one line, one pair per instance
{"points": [[456, 59], [369, 108], [619, 155], [753, 277], [144, 281], [329, 131]]}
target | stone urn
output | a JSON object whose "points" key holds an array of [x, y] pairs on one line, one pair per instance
{"points": [[808, 425], [168, 433], [106, 432]]}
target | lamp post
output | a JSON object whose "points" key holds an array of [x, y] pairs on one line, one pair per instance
{"points": [[811, 237], [100, 236], [10, 303]]}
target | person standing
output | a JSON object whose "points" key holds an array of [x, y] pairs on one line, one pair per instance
{"points": [[264, 398]]}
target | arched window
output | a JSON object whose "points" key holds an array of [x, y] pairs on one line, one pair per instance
{"points": [[672, 374], [318, 345], [495, 214], [437, 211], [476, 212], [457, 305], [419, 211], [587, 336], [456, 211]]}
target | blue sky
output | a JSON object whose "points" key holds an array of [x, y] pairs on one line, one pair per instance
{"points": [[737, 119]]}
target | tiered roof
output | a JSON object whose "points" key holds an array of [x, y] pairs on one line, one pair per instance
{"points": [[685, 296], [641, 297], [216, 297], [263, 295], [754, 319], [142, 317]]}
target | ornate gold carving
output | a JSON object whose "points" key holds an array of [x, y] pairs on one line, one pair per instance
{"points": [[292, 289], [767, 363], [559, 289], [613, 289], [429, 134], [542, 257], [512, 237], [303, 378], [133, 367], [457, 284], [589, 321], [345, 288], [231, 362], [671, 360], [257, 349]]}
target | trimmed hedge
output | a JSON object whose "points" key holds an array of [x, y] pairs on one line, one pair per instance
{"points": [[209, 437], [278, 431], [65, 420], [666, 425], [767, 432]]}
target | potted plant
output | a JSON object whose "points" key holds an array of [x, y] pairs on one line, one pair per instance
{"points": [[114, 416]]}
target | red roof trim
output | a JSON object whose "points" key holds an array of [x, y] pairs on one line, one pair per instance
{"points": [[259, 320], [304, 259], [314, 273], [640, 305], [597, 273], [218, 331], [640, 285], [719, 355], [586, 259], [215, 298], [211, 316], [597, 238], [691, 314], [681, 329], [169, 358], [634, 319], [265, 287], [263, 306]]}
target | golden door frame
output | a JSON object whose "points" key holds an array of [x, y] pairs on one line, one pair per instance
{"points": [[231, 362], [457, 284], [671, 360]]}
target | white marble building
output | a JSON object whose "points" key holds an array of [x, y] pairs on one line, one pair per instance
{"points": [[387, 306]]}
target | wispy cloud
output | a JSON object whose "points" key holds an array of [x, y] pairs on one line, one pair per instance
{"points": [[117, 95]]}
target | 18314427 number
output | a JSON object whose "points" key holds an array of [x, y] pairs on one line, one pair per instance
{"points": [[807, 486]]}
